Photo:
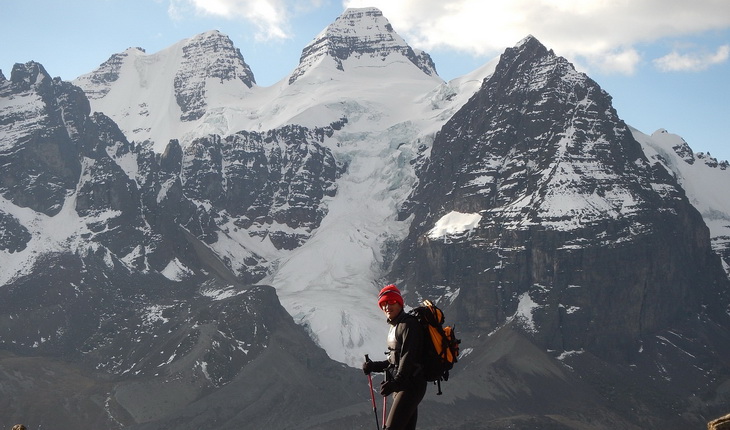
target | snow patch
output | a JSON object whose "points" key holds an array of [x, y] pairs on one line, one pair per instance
{"points": [[454, 223], [525, 308], [221, 293], [153, 314], [176, 271]]}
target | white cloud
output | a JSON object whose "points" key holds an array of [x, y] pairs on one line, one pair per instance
{"points": [[601, 33], [691, 62], [621, 61], [269, 17], [177, 9]]}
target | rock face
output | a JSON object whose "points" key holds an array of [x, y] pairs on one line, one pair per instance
{"points": [[262, 180], [113, 265], [13, 235], [566, 200], [128, 196], [108, 73], [44, 122], [697, 173], [138, 214]]}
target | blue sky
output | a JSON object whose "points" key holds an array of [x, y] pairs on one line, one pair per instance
{"points": [[665, 62]]}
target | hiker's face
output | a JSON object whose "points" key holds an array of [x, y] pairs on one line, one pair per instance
{"points": [[391, 308]]}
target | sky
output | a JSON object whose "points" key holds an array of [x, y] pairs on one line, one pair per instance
{"points": [[666, 63]]}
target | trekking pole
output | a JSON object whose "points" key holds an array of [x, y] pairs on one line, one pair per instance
{"points": [[386, 377], [372, 397]]}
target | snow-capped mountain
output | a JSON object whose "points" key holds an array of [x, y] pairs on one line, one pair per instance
{"points": [[203, 86], [155, 96], [571, 251], [701, 176], [348, 37]]}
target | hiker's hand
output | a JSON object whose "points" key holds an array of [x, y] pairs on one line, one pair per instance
{"points": [[367, 367], [388, 387]]}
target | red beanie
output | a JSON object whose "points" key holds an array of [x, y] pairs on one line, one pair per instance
{"points": [[390, 292]]}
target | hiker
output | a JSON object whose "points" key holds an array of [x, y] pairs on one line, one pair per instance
{"points": [[403, 370], [19, 427]]}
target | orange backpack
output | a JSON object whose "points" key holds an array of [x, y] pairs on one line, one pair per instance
{"points": [[441, 349]]}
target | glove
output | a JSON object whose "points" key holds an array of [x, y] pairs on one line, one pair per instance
{"points": [[367, 367], [388, 387]]}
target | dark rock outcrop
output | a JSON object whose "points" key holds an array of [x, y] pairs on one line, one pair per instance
{"points": [[41, 132], [13, 235], [264, 179]]}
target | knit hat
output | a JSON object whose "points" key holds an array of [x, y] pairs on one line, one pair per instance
{"points": [[390, 292]]}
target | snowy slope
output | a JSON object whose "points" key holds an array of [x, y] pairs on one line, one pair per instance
{"points": [[48, 234], [702, 178], [148, 95]]}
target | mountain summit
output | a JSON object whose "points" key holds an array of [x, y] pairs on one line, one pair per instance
{"points": [[158, 97], [360, 33], [524, 163]]}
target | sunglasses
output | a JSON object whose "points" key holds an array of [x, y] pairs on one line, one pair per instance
{"points": [[388, 302]]}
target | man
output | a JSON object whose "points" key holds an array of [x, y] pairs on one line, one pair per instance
{"points": [[404, 375]]}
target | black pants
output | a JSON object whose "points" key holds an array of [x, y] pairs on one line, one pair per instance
{"points": [[403, 413]]}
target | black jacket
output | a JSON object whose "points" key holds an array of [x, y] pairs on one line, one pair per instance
{"points": [[405, 349]]}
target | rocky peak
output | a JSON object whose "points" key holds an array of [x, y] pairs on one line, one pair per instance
{"points": [[40, 133], [563, 192], [528, 123], [31, 80], [676, 144], [213, 55], [680, 147], [359, 33], [30, 74], [198, 73], [207, 55]]}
